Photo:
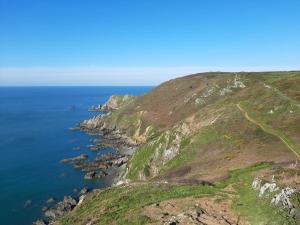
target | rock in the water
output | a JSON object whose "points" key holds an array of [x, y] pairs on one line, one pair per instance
{"points": [[27, 203], [53, 213], [61, 207], [94, 108], [94, 175], [75, 159], [90, 175], [40, 222], [83, 191], [51, 200], [69, 200]]}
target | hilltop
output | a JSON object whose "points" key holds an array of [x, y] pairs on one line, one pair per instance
{"points": [[201, 140]]}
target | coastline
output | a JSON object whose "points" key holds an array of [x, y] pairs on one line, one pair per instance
{"points": [[112, 166], [110, 137], [183, 154]]}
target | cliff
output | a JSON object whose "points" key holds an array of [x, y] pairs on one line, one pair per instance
{"points": [[202, 139]]}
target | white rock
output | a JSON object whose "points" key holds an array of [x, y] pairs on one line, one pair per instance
{"points": [[284, 198], [200, 101], [256, 184], [267, 187], [81, 198]]}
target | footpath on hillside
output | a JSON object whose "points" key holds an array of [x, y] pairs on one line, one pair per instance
{"points": [[289, 143]]}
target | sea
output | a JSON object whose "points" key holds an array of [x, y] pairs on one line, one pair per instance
{"points": [[35, 135]]}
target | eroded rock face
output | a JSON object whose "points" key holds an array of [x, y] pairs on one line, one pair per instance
{"points": [[91, 123], [216, 90], [116, 102], [81, 198], [282, 197], [111, 136], [168, 144], [267, 188], [256, 184]]}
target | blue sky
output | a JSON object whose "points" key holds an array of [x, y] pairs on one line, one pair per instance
{"points": [[115, 42]]}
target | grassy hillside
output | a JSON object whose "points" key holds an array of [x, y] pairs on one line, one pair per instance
{"points": [[220, 128], [210, 123], [129, 204]]}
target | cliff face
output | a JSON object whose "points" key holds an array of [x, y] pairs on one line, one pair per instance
{"points": [[204, 125], [116, 101], [198, 128]]}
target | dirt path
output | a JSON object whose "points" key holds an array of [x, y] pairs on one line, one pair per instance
{"points": [[268, 130]]}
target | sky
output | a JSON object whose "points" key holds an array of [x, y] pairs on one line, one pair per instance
{"points": [[139, 42]]}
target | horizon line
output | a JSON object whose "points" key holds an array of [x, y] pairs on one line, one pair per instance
{"points": [[15, 86], [115, 76]]}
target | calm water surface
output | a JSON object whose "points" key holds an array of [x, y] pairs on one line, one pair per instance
{"points": [[35, 136]]}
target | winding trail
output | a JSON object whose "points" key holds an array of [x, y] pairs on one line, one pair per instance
{"points": [[269, 130]]}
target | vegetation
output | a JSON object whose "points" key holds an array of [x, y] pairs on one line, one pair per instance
{"points": [[257, 211], [189, 148], [123, 205], [215, 124]]}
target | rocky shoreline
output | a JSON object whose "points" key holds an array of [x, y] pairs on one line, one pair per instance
{"points": [[103, 165], [53, 209]]}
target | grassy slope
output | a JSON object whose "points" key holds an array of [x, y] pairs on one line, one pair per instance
{"points": [[258, 99], [232, 142], [123, 205], [277, 133]]}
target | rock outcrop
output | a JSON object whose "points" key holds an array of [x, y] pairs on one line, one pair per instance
{"points": [[199, 127], [114, 102], [278, 196], [81, 157]]}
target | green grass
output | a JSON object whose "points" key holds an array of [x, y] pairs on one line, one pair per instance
{"points": [[257, 211], [247, 204], [256, 118], [141, 159], [190, 146], [271, 77], [122, 205]]}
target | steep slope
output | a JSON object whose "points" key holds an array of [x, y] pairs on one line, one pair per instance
{"points": [[210, 128], [201, 126]]}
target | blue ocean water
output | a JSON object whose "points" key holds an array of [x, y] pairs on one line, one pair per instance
{"points": [[35, 136]]}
